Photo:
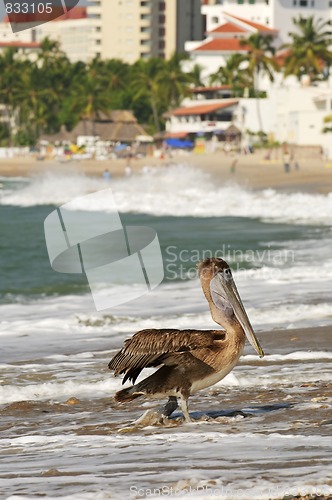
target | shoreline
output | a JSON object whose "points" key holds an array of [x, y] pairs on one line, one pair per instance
{"points": [[250, 171]]}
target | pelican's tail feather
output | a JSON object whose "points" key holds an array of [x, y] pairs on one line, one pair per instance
{"points": [[127, 395]]}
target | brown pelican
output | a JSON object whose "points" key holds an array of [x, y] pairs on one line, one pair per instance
{"points": [[189, 360]]}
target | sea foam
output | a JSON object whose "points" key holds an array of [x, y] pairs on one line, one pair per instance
{"points": [[178, 190]]}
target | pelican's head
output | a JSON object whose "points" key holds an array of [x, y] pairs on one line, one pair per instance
{"points": [[224, 299]]}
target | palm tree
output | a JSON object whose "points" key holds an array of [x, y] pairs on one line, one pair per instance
{"points": [[46, 84], [117, 71], [11, 86], [93, 95], [196, 75], [231, 74], [174, 82], [309, 49], [260, 59], [146, 84]]}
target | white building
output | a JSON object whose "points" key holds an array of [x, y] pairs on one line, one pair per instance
{"points": [[213, 116], [224, 40], [300, 113], [292, 114], [74, 31], [276, 14]]}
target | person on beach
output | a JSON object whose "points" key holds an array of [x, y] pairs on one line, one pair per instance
{"points": [[287, 162], [128, 171], [107, 175], [233, 166]]}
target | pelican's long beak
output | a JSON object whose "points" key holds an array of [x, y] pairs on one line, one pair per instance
{"points": [[225, 297]]}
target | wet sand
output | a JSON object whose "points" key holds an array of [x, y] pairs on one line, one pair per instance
{"points": [[255, 433], [314, 174]]}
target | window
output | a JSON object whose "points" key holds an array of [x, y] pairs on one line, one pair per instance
{"points": [[215, 19], [161, 31], [303, 3], [267, 2], [161, 45], [252, 1], [161, 19], [240, 1], [162, 6], [330, 3], [294, 3], [312, 3]]}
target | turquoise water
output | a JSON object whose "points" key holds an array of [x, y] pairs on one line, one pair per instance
{"points": [[26, 269]]}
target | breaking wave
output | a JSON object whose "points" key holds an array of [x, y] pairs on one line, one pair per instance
{"points": [[178, 190]]}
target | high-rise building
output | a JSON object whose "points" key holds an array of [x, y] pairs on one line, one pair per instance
{"points": [[134, 29]]}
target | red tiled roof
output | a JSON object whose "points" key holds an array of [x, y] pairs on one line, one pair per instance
{"points": [[281, 56], [257, 26], [223, 45], [75, 13], [228, 28], [20, 45], [202, 109]]}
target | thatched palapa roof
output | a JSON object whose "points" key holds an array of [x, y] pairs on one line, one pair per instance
{"points": [[117, 126]]}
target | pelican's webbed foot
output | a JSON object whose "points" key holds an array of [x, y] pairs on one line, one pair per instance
{"points": [[154, 416], [169, 407]]}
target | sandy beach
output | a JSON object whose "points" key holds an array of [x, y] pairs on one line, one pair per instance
{"points": [[252, 171]]}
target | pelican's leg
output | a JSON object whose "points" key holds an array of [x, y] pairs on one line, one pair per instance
{"points": [[156, 416], [184, 408], [169, 407]]}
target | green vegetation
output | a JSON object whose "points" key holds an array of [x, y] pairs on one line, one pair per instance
{"points": [[40, 96], [309, 52], [233, 74], [327, 119]]}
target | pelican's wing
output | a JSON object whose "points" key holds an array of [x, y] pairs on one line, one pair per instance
{"points": [[149, 347]]}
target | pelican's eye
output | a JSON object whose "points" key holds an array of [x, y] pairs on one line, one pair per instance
{"points": [[228, 274]]}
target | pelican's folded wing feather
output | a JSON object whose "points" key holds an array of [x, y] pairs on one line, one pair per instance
{"points": [[148, 348]]}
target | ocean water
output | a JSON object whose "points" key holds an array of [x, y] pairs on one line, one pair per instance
{"points": [[263, 432]]}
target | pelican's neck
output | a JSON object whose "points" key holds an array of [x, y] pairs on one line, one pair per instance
{"points": [[230, 325]]}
